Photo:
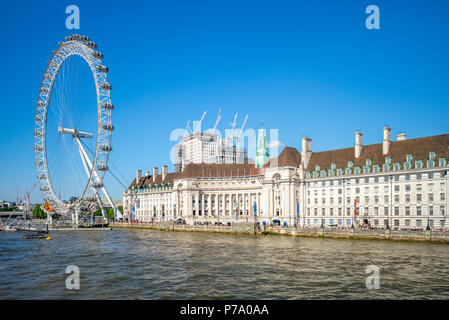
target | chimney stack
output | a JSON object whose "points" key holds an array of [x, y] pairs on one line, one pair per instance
{"points": [[147, 173], [138, 176], [154, 174], [401, 137], [306, 151], [387, 139], [164, 172], [358, 144]]}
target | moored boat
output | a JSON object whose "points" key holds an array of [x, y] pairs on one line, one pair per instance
{"points": [[9, 229]]}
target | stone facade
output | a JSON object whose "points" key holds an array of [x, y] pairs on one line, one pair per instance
{"points": [[401, 184]]}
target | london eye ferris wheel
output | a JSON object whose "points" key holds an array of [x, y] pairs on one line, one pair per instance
{"points": [[73, 127]]}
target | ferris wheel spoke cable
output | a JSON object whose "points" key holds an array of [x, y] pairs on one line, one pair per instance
{"points": [[65, 92], [119, 172], [59, 111], [70, 103], [76, 96], [62, 94], [56, 98], [75, 172], [62, 112], [61, 175], [53, 150], [115, 177], [56, 173]]}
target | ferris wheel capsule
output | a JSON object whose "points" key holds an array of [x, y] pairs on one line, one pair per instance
{"points": [[97, 54], [106, 86], [108, 106], [92, 45], [102, 69], [106, 148], [108, 126]]}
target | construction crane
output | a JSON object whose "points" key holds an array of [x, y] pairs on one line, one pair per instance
{"points": [[27, 196], [232, 129], [186, 132], [234, 123], [199, 122], [216, 121], [237, 137]]}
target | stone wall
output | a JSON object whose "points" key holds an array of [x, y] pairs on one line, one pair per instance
{"points": [[253, 228]]}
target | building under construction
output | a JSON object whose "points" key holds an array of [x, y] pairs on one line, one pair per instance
{"points": [[208, 147]]}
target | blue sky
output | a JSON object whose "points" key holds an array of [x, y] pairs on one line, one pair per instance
{"points": [[303, 67]]}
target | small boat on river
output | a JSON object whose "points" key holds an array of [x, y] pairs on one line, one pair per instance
{"points": [[36, 235]]}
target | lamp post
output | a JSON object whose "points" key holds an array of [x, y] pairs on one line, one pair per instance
{"points": [[391, 203], [132, 204], [246, 205], [343, 182], [353, 218], [305, 202], [217, 204], [297, 214], [236, 207]]}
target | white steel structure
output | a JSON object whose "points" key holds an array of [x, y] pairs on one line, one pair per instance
{"points": [[95, 168]]}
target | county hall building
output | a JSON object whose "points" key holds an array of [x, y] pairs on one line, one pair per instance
{"points": [[400, 184]]}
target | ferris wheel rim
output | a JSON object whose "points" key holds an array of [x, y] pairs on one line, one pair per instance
{"points": [[83, 47]]}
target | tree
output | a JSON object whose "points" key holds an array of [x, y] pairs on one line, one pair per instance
{"points": [[39, 213], [7, 209], [110, 214], [120, 208]]}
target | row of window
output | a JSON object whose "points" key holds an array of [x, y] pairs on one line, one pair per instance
{"points": [[407, 210], [397, 188], [397, 197], [407, 177], [407, 223], [407, 165]]}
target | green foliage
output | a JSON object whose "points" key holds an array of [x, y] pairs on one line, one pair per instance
{"points": [[7, 209], [110, 214], [38, 212], [120, 208]]}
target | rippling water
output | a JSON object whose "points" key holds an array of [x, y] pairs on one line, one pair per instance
{"points": [[143, 264]]}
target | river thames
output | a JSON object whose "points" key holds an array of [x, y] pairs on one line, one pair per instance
{"points": [[144, 264]]}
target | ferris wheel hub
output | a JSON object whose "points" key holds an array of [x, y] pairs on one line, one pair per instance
{"points": [[74, 132]]}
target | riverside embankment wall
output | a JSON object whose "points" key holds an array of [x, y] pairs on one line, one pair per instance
{"points": [[254, 229]]}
